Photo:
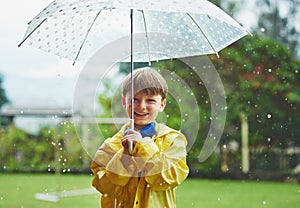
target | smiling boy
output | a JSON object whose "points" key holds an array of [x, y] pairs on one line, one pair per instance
{"points": [[147, 176]]}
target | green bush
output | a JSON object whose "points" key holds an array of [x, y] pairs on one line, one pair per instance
{"points": [[51, 149]]}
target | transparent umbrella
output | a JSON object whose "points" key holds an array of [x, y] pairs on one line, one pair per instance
{"points": [[76, 29]]}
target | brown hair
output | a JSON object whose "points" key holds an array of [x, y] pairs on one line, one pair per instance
{"points": [[146, 80]]}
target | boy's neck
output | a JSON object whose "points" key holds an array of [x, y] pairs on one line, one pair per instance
{"points": [[140, 127]]}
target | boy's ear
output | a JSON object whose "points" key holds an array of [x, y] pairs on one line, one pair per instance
{"points": [[124, 102], [163, 105]]}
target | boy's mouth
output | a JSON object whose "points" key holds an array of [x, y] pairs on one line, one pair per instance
{"points": [[141, 114]]}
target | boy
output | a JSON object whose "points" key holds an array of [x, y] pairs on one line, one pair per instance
{"points": [[147, 176]]}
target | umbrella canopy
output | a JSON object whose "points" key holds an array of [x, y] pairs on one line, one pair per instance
{"points": [[75, 29]]}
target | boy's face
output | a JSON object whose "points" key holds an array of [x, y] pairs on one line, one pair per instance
{"points": [[146, 108]]}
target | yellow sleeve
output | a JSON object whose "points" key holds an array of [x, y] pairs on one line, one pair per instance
{"points": [[110, 175], [102, 183], [167, 169]]}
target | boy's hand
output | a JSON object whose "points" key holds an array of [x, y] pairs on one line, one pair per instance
{"points": [[133, 136]]}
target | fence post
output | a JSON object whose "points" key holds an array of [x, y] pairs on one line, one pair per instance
{"points": [[245, 145]]}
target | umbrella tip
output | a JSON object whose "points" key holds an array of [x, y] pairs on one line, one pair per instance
{"points": [[19, 45]]}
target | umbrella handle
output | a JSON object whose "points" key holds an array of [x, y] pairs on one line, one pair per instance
{"points": [[130, 142], [131, 78], [130, 147]]}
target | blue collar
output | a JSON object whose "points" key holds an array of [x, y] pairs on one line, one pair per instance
{"points": [[147, 131]]}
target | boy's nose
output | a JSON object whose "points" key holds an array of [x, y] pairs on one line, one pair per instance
{"points": [[142, 104]]}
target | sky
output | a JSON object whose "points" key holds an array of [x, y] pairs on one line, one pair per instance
{"points": [[34, 78], [31, 77]]}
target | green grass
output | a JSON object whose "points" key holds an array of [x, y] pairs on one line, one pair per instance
{"points": [[17, 191], [237, 194]]}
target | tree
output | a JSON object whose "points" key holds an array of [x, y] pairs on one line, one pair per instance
{"points": [[262, 81], [230, 6], [278, 20], [3, 97]]}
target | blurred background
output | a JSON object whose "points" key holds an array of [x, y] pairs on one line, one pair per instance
{"points": [[260, 142]]}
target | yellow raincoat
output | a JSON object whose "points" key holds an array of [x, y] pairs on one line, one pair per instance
{"points": [[148, 178]]}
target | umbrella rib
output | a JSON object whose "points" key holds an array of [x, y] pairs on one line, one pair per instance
{"points": [[146, 31], [32, 32], [209, 42], [86, 35]]}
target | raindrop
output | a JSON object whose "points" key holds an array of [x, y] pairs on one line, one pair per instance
{"points": [[262, 29], [269, 115], [219, 199], [264, 202], [269, 139]]}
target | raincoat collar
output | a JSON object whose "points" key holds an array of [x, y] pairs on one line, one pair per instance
{"points": [[161, 130], [148, 131]]}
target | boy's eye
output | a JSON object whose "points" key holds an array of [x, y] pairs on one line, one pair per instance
{"points": [[151, 101]]}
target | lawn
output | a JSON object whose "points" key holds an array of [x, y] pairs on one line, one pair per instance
{"points": [[17, 191]]}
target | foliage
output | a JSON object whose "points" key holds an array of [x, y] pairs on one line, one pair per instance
{"points": [[12, 144], [3, 96], [262, 80], [50, 150]]}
